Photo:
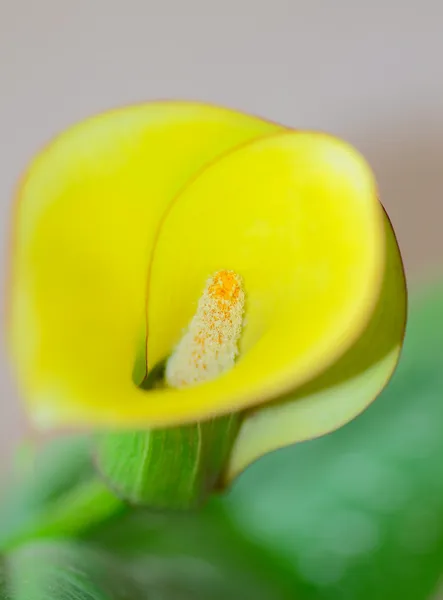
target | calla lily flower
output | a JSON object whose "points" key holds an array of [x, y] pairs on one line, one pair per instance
{"points": [[122, 221]]}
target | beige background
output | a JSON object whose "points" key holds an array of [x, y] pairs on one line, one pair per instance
{"points": [[371, 72]]}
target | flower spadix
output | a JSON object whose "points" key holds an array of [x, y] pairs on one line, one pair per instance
{"points": [[210, 346]]}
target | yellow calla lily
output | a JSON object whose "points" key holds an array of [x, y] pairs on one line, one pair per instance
{"points": [[120, 222]]}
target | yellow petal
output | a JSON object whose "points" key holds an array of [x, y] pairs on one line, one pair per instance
{"points": [[297, 217], [86, 219], [344, 390]]}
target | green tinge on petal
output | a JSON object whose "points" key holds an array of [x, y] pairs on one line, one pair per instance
{"points": [[345, 389], [173, 468]]}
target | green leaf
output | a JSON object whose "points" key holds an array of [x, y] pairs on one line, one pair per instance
{"points": [[359, 513], [82, 570], [61, 495], [67, 570], [3, 582], [129, 554], [203, 551]]}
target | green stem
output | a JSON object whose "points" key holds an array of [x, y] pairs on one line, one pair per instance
{"points": [[173, 468], [77, 510]]}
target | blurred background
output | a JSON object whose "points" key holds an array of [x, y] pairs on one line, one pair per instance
{"points": [[370, 72]]}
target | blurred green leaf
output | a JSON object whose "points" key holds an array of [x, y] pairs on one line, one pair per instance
{"points": [[3, 590], [67, 570], [144, 556], [132, 553], [47, 473], [202, 551], [61, 495], [359, 513]]}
